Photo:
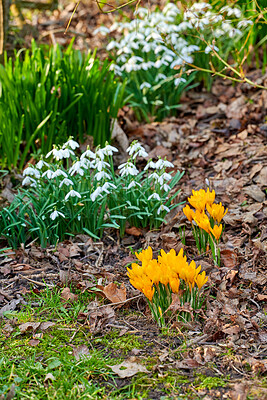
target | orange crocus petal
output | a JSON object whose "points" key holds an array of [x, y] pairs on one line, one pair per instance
{"points": [[217, 231], [188, 212]]}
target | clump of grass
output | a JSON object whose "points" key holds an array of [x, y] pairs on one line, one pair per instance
{"points": [[45, 95]]}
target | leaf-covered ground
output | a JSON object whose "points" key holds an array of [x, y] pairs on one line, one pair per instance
{"points": [[81, 287], [73, 326]]}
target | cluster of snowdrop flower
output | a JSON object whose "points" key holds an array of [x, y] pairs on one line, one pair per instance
{"points": [[154, 43], [162, 38], [88, 187]]}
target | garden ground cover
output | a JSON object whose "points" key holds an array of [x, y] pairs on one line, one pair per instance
{"points": [[75, 300]]}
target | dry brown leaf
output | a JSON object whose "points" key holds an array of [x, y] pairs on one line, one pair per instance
{"points": [[45, 325], [67, 296], [239, 392], [263, 336], [127, 369], [231, 330], [101, 317], [134, 231], [11, 306], [261, 179], [262, 297], [8, 328], [74, 250], [255, 193], [229, 258], [49, 377], [34, 342], [188, 363], [209, 353], [81, 351], [114, 293], [29, 326]]}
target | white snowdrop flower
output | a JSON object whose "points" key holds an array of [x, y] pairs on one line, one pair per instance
{"points": [[154, 196], [177, 81], [71, 143], [232, 11], [168, 58], [96, 193], [85, 163], [244, 24], [162, 208], [134, 147], [166, 187], [132, 184], [112, 45], [209, 48], [150, 164], [145, 85], [179, 61], [143, 12], [66, 182], [48, 174], [218, 32], [102, 29], [116, 69], [164, 177], [42, 164], [59, 172], [102, 174], [66, 153], [56, 214], [158, 64], [109, 150], [88, 153], [122, 59], [160, 77], [140, 153], [108, 185], [72, 193], [192, 48], [146, 66], [163, 164], [234, 32], [100, 153], [154, 176], [187, 58], [114, 26], [148, 47], [99, 164], [57, 153], [28, 181], [128, 169], [32, 172], [77, 168]]}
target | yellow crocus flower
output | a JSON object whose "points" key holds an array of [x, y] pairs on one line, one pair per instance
{"points": [[174, 284], [202, 221], [200, 199], [189, 213], [210, 197], [216, 211], [145, 256], [201, 279], [217, 231]]}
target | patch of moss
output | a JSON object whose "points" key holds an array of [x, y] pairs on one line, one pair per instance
{"points": [[209, 382], [124, 343]]}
